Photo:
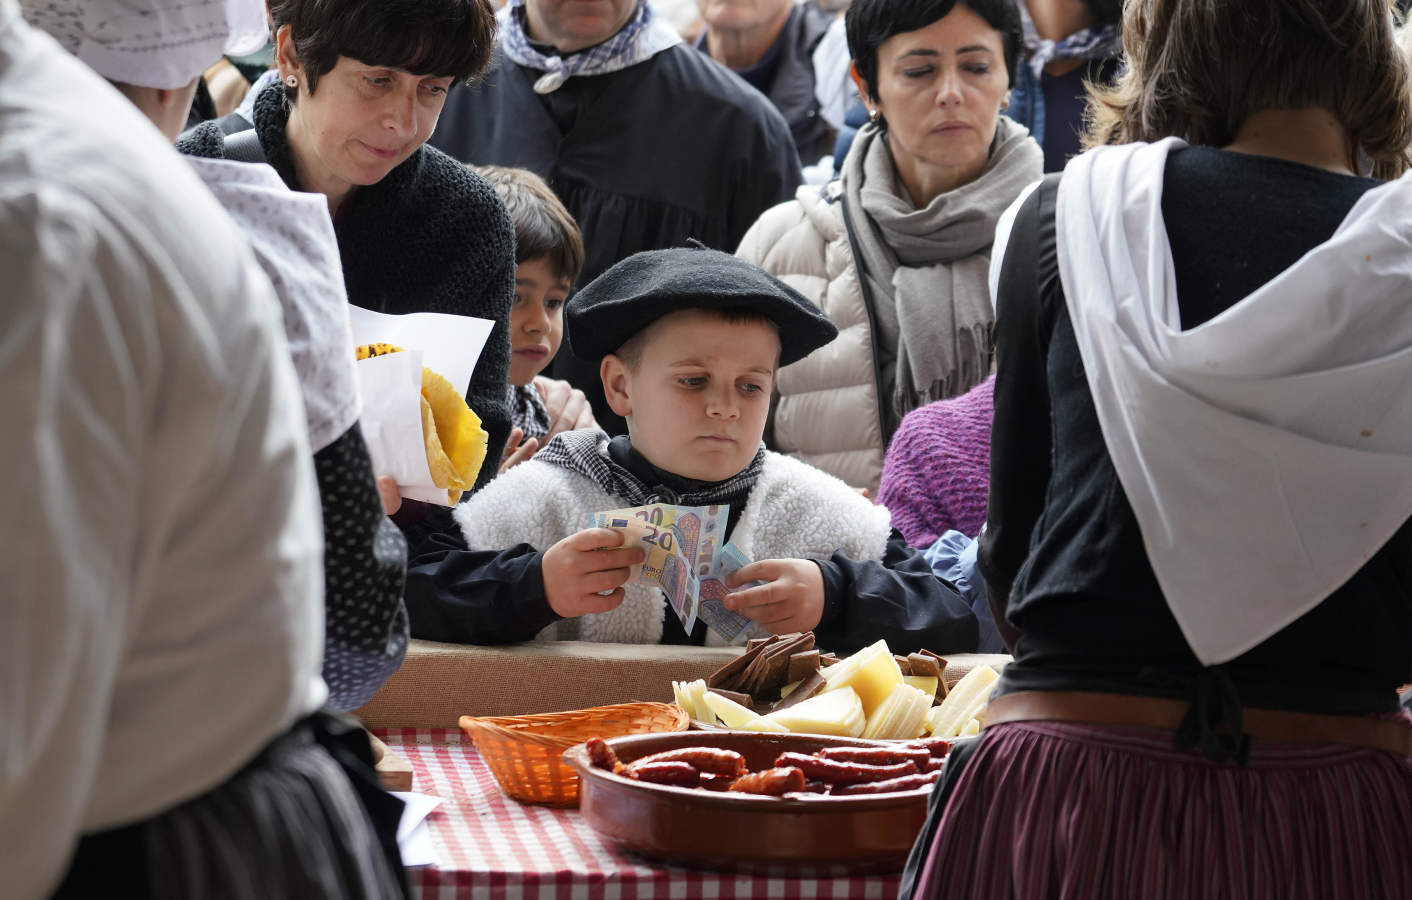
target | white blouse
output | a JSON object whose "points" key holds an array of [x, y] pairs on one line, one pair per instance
{"points": [[161, 611]]}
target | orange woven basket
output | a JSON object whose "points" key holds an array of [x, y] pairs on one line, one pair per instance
{"points": [[525, 753]]}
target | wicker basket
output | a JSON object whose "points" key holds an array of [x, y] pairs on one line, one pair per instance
{"points": [[524, 753]]}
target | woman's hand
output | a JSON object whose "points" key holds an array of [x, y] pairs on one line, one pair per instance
{"points": [[585, 572], [517, 452], [792, 599], [568, 407], [391, 496]]}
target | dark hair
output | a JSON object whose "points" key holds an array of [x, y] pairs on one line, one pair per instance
{"points": [[544, 229], [444, 38], [1182, 78], [871, 22], [631, 350]]}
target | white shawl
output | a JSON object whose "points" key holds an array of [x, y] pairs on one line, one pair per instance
{"points": [[1267, 453]]}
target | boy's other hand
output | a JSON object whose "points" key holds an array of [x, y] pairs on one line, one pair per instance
{"points": [[517, 451], [792, 599], [583, 566], [567, 406]]}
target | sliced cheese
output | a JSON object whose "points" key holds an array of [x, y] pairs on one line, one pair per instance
{"points": [[972, 727], [763, 723], [837, 712], [731, 714], [900, 716], [964, 703], [789, 688], [926, 683], [871, 672], [696, 690], [691, 696]]}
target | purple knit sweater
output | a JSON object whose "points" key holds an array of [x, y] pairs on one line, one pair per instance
{"points": [[937, 473]]}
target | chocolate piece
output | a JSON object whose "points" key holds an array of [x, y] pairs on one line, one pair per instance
{"points": [[828, 659], [729, 675], [904, 664], [744, 700], [941, 689], [813, 684], [925, 665], [776, 663], [800, 665], [764, 677]]}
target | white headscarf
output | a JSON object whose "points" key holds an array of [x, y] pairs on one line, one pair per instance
{"points": [[151, 43], [1267, 453]]}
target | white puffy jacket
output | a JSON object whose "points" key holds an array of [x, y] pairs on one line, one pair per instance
{"points": [[828, 409]]}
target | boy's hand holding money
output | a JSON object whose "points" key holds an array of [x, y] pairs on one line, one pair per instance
{"points": [[580, 568], [792, 598]]}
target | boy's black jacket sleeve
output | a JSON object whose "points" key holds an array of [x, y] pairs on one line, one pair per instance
{"points": [[898, 600], [466, 596]]}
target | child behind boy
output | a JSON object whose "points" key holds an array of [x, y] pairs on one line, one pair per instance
{"points": [[688, 343], [548, 257]]}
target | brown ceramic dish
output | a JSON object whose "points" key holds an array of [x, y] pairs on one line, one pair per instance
{"points": [[728, 830]]}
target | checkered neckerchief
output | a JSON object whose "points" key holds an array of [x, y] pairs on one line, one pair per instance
{"points": [[642, 38], [1098, 42], [586, 452]]}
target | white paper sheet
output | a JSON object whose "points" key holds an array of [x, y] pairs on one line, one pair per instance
{"points": [[391, 387], [413, 833], [417, 848]]}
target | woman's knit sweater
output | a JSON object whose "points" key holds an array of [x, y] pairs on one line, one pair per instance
{"points": [[432, 236], [937, 474]]}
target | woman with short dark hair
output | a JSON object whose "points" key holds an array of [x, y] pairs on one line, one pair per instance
{"points": [[1199, 538], [896, 250], [362, 83]]}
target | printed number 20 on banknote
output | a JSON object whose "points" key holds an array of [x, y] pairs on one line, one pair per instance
{"points": [[665, 566]]}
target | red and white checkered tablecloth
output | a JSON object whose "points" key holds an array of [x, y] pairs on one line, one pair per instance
{"points": [[492, 846]]}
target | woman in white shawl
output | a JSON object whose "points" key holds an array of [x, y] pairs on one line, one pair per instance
{"points": [[1200, 526], [896, 250], [209, 830]]}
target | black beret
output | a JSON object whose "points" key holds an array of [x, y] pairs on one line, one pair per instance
{"points": [[646, 286]]}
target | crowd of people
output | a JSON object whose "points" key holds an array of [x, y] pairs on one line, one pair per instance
{"points": [[1073, 329]]}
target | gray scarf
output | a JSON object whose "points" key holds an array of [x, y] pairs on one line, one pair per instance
{"points": [[928, 267]]}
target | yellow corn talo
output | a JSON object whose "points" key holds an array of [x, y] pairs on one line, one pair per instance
{"points": [[368, 351]]}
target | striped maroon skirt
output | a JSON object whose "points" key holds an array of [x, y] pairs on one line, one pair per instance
{"points": [[1090, 812]]}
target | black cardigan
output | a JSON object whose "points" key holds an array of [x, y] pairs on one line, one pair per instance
{"points": [[432, 236]]}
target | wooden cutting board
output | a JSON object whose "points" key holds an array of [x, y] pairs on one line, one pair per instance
{"points": [[394, 772]]}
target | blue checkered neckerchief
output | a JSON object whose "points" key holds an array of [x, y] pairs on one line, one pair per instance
{"points": [[643, 37], [1098, 42]]}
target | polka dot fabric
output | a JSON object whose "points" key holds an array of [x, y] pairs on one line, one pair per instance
{"points": [[365, 568]]}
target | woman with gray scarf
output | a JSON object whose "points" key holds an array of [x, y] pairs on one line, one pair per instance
{"points": [[896, 250]]}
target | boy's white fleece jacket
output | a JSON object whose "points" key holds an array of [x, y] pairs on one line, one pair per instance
{"points": [[795, 512]]}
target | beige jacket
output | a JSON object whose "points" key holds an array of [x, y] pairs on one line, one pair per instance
{"points": [[827, 409]]}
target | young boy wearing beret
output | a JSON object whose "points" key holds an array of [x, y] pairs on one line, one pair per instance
{"points": [[688, 343]]}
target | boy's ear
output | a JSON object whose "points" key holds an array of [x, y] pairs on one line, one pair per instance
{"points": [[616, 384]]}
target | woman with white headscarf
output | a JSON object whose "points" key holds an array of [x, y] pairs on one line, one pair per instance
{"points": [[206, 749], [366, 628], [1199, 537]]}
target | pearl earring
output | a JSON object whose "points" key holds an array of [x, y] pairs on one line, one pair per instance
{"points": [[292, 81]]}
